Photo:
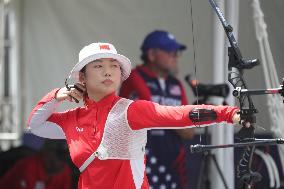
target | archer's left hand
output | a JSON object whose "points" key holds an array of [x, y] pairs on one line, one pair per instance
{"points": [[237, 120]]}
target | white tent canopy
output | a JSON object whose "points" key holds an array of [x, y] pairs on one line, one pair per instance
{"points": [[52, 33]]}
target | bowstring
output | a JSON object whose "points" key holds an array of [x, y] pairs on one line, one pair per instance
{"points": [[194, 57]]}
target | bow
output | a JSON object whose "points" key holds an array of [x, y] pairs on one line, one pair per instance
{"points": [[247, 113], [236, 66]]}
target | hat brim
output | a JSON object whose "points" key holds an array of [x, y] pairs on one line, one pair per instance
{"points": [[174, 47], [123, 61], [167, 47]]}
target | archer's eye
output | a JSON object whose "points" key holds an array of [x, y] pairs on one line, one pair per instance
{"points": [[97, 66], [115, 66]]}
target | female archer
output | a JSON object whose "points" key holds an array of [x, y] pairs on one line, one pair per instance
{"points": [[107, 136]]}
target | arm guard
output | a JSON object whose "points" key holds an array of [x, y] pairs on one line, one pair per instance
{"points": [[202, 114]]}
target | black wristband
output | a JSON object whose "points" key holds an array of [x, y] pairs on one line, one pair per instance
{"points": [[202, 114]]}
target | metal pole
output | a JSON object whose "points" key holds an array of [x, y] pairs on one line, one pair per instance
{"points": [[232, 14], [218, 77], [1, 47]]}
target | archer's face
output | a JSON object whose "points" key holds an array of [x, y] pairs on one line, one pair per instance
{"points": [[102, 76]]}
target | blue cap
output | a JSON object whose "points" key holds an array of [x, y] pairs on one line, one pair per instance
{"points": [[162, 40]]}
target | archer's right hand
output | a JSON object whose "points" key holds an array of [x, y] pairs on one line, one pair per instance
{"points": [[75, 93]]}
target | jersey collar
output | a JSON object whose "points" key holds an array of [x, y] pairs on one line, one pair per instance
{"points": [[147, 71], [107, 100]]}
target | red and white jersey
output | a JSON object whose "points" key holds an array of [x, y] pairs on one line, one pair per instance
{"points": [[83, 128]]}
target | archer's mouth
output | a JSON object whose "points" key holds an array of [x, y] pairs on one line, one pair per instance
{"points": [[107, 82]]}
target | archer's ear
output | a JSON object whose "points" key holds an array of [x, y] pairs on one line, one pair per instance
{"points": [[82, 77]]}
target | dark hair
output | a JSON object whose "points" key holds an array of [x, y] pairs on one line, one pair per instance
{"points": [[144, 57], [85, 96], [83, 70]]}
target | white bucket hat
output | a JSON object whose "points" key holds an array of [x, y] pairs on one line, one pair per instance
{"points": [[99, 50]]}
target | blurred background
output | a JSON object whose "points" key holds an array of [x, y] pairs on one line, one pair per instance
{"points": [[40, 41]]}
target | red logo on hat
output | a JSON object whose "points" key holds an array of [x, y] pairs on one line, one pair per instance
{"points": [[105, 47]]}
